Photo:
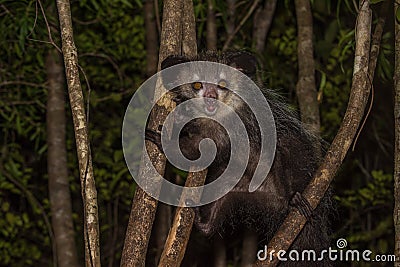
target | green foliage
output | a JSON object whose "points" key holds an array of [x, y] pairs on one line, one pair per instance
{"points": [[25, 238], [398, 15], [16, 229], [111, 50], [107, 65], [377, 191], [366, 204], [384, 68]]}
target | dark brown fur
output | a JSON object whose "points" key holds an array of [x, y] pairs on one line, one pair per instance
{"points": [[294, 164]]}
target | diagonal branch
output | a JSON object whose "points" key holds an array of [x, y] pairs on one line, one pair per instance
{"points": [[314, 192], [241, 23], [177, 37], [178, 237]]}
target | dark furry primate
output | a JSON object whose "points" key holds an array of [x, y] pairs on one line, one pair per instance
{"points": [[294, 164]]}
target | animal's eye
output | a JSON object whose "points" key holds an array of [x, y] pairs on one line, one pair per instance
{"points": [[197, 85], [222, 84]]}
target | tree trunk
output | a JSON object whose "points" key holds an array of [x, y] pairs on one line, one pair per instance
{"points": [[59, 192], [161, 229], [230, 22], [396, 176], [89, 193], [360, 88], [151, 36], [189, 44], [306, 90], [178, 237], [211, 26], [144, 206], [262, 23]]}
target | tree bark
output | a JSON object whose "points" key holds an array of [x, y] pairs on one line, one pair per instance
{"points": [[151, 36], [396, 176], [189, 44], [314, 192], [59, 192], [176, 38], [89, 193], [211, 26], [178, 237], [262, 23], [171, 33], [230, 22], [161, 229], [306, 90]]}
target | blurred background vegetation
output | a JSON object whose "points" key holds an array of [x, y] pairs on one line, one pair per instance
{"points": [[111, 40]]}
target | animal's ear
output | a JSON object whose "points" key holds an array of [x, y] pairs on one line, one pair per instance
{"points": [[173, 60], [244, 62], [169, 77]]}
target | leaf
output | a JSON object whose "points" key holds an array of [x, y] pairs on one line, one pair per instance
{"points": [[5, 206], [398, 15], [42, 149], [116, 97]]}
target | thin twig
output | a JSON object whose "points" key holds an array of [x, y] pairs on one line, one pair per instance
{"points": [[48, 30], [34, 23], [110, 60], [375, 47], [242, 22], [93, 21], [108, 97], [22, 83]]}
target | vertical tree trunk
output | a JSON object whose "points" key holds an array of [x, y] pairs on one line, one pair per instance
{"points": [[59, 192], [144, 206], [89, 193], [151, 36], [230, 23], [396, 213], [306, 90], [178, 237], [189, 44], [211, 26], [262, 23]]}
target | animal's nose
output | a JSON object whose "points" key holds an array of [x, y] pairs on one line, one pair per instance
{"points": [[210, 91]]}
